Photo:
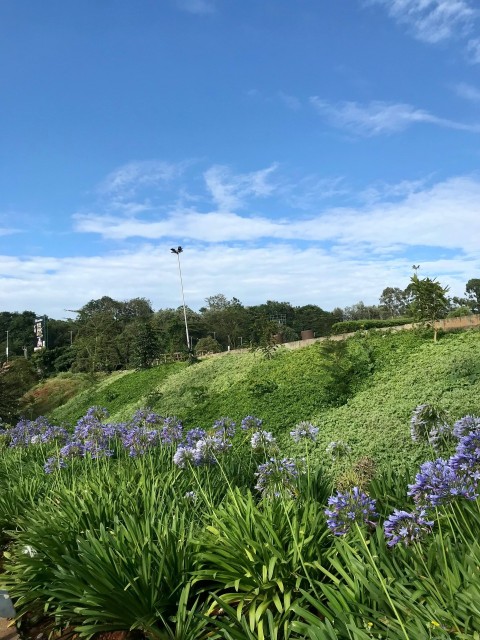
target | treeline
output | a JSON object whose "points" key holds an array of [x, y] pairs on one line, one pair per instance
{"points": [[107, 334]]}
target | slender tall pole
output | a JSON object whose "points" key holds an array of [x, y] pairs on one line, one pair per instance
{"points": [[178, 251], [6, 351]]}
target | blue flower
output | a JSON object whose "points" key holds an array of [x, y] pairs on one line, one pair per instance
{"points": [[172, 430], [224, 428], [54, 464], [406, 527], [429, 424], [277, 477], [251, 422], [194, 435], [347, 508], [465, 425], [438, 482], [185, 457], [304, 430], [262, 441]]}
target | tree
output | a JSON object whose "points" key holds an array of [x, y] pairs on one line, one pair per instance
{"points": [[429, 301], [207, 345], [145, 344], [394, 301], [472, 291]]}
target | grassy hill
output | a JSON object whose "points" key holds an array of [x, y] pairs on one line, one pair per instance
{"points": [[383, 377]]}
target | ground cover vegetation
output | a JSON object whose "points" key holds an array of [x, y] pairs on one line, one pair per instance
{"points": [[337, 500], [216, 533]]}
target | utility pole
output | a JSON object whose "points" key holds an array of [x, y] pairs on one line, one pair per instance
{"points": [[6, 350], [177, 252]]}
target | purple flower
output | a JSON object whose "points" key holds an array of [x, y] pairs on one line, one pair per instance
{"points": [[186, 456], [139, 439], [172, 430], [73, 449], [465, 425], [194, 435], [54, 464], [304, 431], [251, 422], [439, 482], [262, 441], [224, 428], [347, 508], [277, 477], [466, 460], [406, 527], [429, 424], [209, 448]]}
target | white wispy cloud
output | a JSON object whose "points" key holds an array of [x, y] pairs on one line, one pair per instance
{"points": [[291, 102], [432, 21], [446, 214], [331, 256], [467, 91], [126, 180], [378, 117], [473, 50], [229, 190]]}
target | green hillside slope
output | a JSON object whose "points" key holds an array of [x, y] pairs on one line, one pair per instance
{"points": [[387, 376]]}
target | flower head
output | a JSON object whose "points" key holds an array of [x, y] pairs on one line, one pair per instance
{"points": [[262, 441], [251, 422], [304, 431], [406, 527], [438, 483], [465, 425], [429, 424], [277, 477], [344, 509]]}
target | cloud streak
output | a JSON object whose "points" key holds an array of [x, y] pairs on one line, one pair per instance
{"points": [[432, 21], [381, 118]]}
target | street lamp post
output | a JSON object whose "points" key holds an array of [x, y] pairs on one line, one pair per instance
{"points": [[177, 252]]}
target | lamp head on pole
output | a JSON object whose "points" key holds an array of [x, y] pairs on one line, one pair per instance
{"points": [[177, 250]]}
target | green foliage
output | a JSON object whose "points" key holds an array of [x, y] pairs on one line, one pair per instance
{"points": [[429, 300], [348, 326]]}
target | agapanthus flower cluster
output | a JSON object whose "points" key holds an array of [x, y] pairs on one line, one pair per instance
{"points": [[262, 441], [93, 435], [224, 428], [429, 424], [39, 431], [466, 425], [438, 483], [466, 459], [251, 423], [138, 440], [338, 449], [194, 435], [146, 418], [345, 509], [304, 431], [171, 431], [55, 463], [277, 478], [206, 450], [406, 528]]}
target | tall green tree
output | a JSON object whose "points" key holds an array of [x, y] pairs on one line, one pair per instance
{"points": [[429, 301], [394, 302], [472, 291]]}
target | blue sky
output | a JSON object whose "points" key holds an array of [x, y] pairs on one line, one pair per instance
{"points": [[298, 150]]}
